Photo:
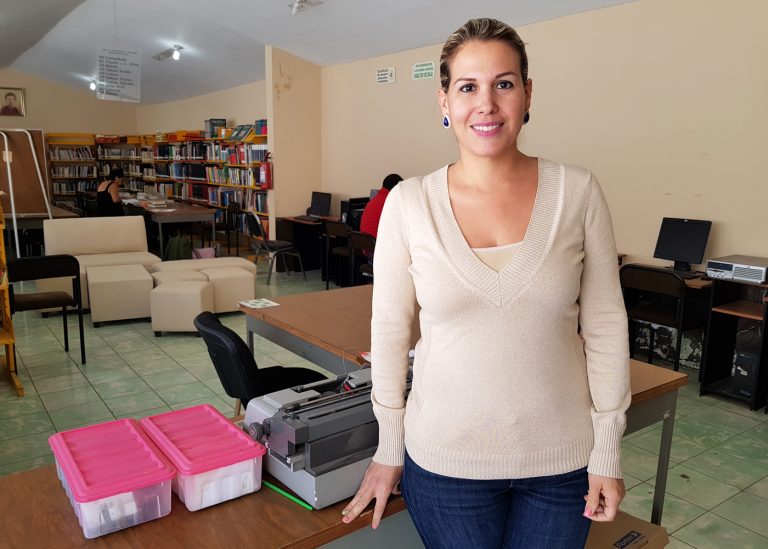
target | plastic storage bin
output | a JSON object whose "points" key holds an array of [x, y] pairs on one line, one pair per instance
{"points": [[214, 459], [113, 475]]}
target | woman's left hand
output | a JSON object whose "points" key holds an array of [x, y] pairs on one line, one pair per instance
{"points": [[605, 494]]}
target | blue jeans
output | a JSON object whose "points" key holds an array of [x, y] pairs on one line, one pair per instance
{"points": [[532, 513]]}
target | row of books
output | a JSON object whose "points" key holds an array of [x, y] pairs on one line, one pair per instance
{"points": [[70, 187], [188, 171], [193, 150], [119, 153], [246, 198], [69, 153], [74, 171]]}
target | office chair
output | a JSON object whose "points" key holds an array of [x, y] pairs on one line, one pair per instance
{"points": [[657, 296], [272, 248], [365, 244], [335, 230], [90, 207], [240, 376], [48, 266]]}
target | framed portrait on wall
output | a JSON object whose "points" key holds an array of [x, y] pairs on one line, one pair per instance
{"points": [[11, 101]]}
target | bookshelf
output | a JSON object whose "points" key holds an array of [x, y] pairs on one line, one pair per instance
{"points": [[74, 164], [7, 336], [121, 151]]}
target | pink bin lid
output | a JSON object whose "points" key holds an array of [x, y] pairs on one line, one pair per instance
{"points": [[200, 439], [107, 459]]}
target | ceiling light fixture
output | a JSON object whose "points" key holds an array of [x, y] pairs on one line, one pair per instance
{"points": [[92, 86], [174, 52], [300, 5]]}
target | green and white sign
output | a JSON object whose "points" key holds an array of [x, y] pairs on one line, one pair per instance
{"points": [[423, 70]]}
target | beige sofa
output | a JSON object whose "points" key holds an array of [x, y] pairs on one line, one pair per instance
{"points": [[96, 242]]}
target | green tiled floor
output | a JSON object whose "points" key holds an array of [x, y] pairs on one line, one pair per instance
{"points": [[717, 491]]}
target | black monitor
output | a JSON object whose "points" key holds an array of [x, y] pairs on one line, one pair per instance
{"points": [[321, 204], [682, 241], [354, 211]]}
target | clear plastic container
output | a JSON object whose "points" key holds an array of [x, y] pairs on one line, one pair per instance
{"points": [[215, 460], [113, 475]]}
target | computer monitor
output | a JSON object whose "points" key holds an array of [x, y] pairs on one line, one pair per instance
{"points": [[682, 241], [321, 204], [354, 211]]}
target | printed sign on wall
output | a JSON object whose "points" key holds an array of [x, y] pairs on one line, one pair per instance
{"points": [[119, 74], [423, 70], [385, 76]]}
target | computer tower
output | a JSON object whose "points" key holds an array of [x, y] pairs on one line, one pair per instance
{"points": [[744, 373]]}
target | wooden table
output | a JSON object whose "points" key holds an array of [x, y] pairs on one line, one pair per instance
{"points": [[331, 328], [37, 513], [179, 212]]}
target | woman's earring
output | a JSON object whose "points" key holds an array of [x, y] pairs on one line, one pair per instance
{"points": [[446, 121], [526, 117]]}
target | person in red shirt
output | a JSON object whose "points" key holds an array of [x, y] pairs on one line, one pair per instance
{"points": [[369, 223]]}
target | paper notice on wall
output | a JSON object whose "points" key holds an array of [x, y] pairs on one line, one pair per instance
{"points": [[119, 74], [423, 70], [385, 76]]}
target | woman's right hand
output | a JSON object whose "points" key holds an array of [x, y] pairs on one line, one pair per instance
{"points": [[379, 482]]}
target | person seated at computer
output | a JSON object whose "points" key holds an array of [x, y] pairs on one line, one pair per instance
{"points": [[369, 223], [108, 203]]}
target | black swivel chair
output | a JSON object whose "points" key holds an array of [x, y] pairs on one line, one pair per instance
{"points": [[240, 376], [271, 248], [48, 266], [657, 296]]}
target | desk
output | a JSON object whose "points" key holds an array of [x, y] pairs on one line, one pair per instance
{"points": [[178, 212], [330, 328], [307, 239], [32, 222], [36, 513]]}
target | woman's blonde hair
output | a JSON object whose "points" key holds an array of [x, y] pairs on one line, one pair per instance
{"points": [[485, 30]]}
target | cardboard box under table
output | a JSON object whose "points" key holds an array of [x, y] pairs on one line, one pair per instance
{"points": [[119, 292], [626, 532]]}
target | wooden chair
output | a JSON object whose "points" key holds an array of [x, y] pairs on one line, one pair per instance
{"points": [[49, 266], [271, 248], [657, 296]]}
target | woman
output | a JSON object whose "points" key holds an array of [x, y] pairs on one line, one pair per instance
{"points": [[108, 203], [513, 420]]}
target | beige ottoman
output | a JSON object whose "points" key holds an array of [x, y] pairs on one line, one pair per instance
{"points": [[230, 285], [175, 275], [176, 303], [118, 292]]}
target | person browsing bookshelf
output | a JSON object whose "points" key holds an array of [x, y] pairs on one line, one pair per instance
{"points": [[369, 222], [511, 434], [108, 203]]}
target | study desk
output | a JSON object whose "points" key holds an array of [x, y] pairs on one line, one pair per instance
{"points": [[331, 328], [307, 239], [179, 212], [32, 222]]}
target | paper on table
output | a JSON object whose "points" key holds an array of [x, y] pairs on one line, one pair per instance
{"points": [[258, 303]]}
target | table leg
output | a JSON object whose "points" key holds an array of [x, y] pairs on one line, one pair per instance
{"points": [[160, 234], [665, 451], [213, 234], [250, 339]]}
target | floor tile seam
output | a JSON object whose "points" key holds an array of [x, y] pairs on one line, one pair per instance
{"points": [[736, 523], [709, 448], [182, 385], [713, 448]]}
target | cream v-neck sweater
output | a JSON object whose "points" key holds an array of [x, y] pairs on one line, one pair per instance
{"points": [[503, 385]]}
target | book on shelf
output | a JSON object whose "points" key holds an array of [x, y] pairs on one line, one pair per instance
{"points": [[212, 126]]}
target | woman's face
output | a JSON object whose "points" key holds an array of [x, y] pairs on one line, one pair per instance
{"points": [[486, 98]]}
